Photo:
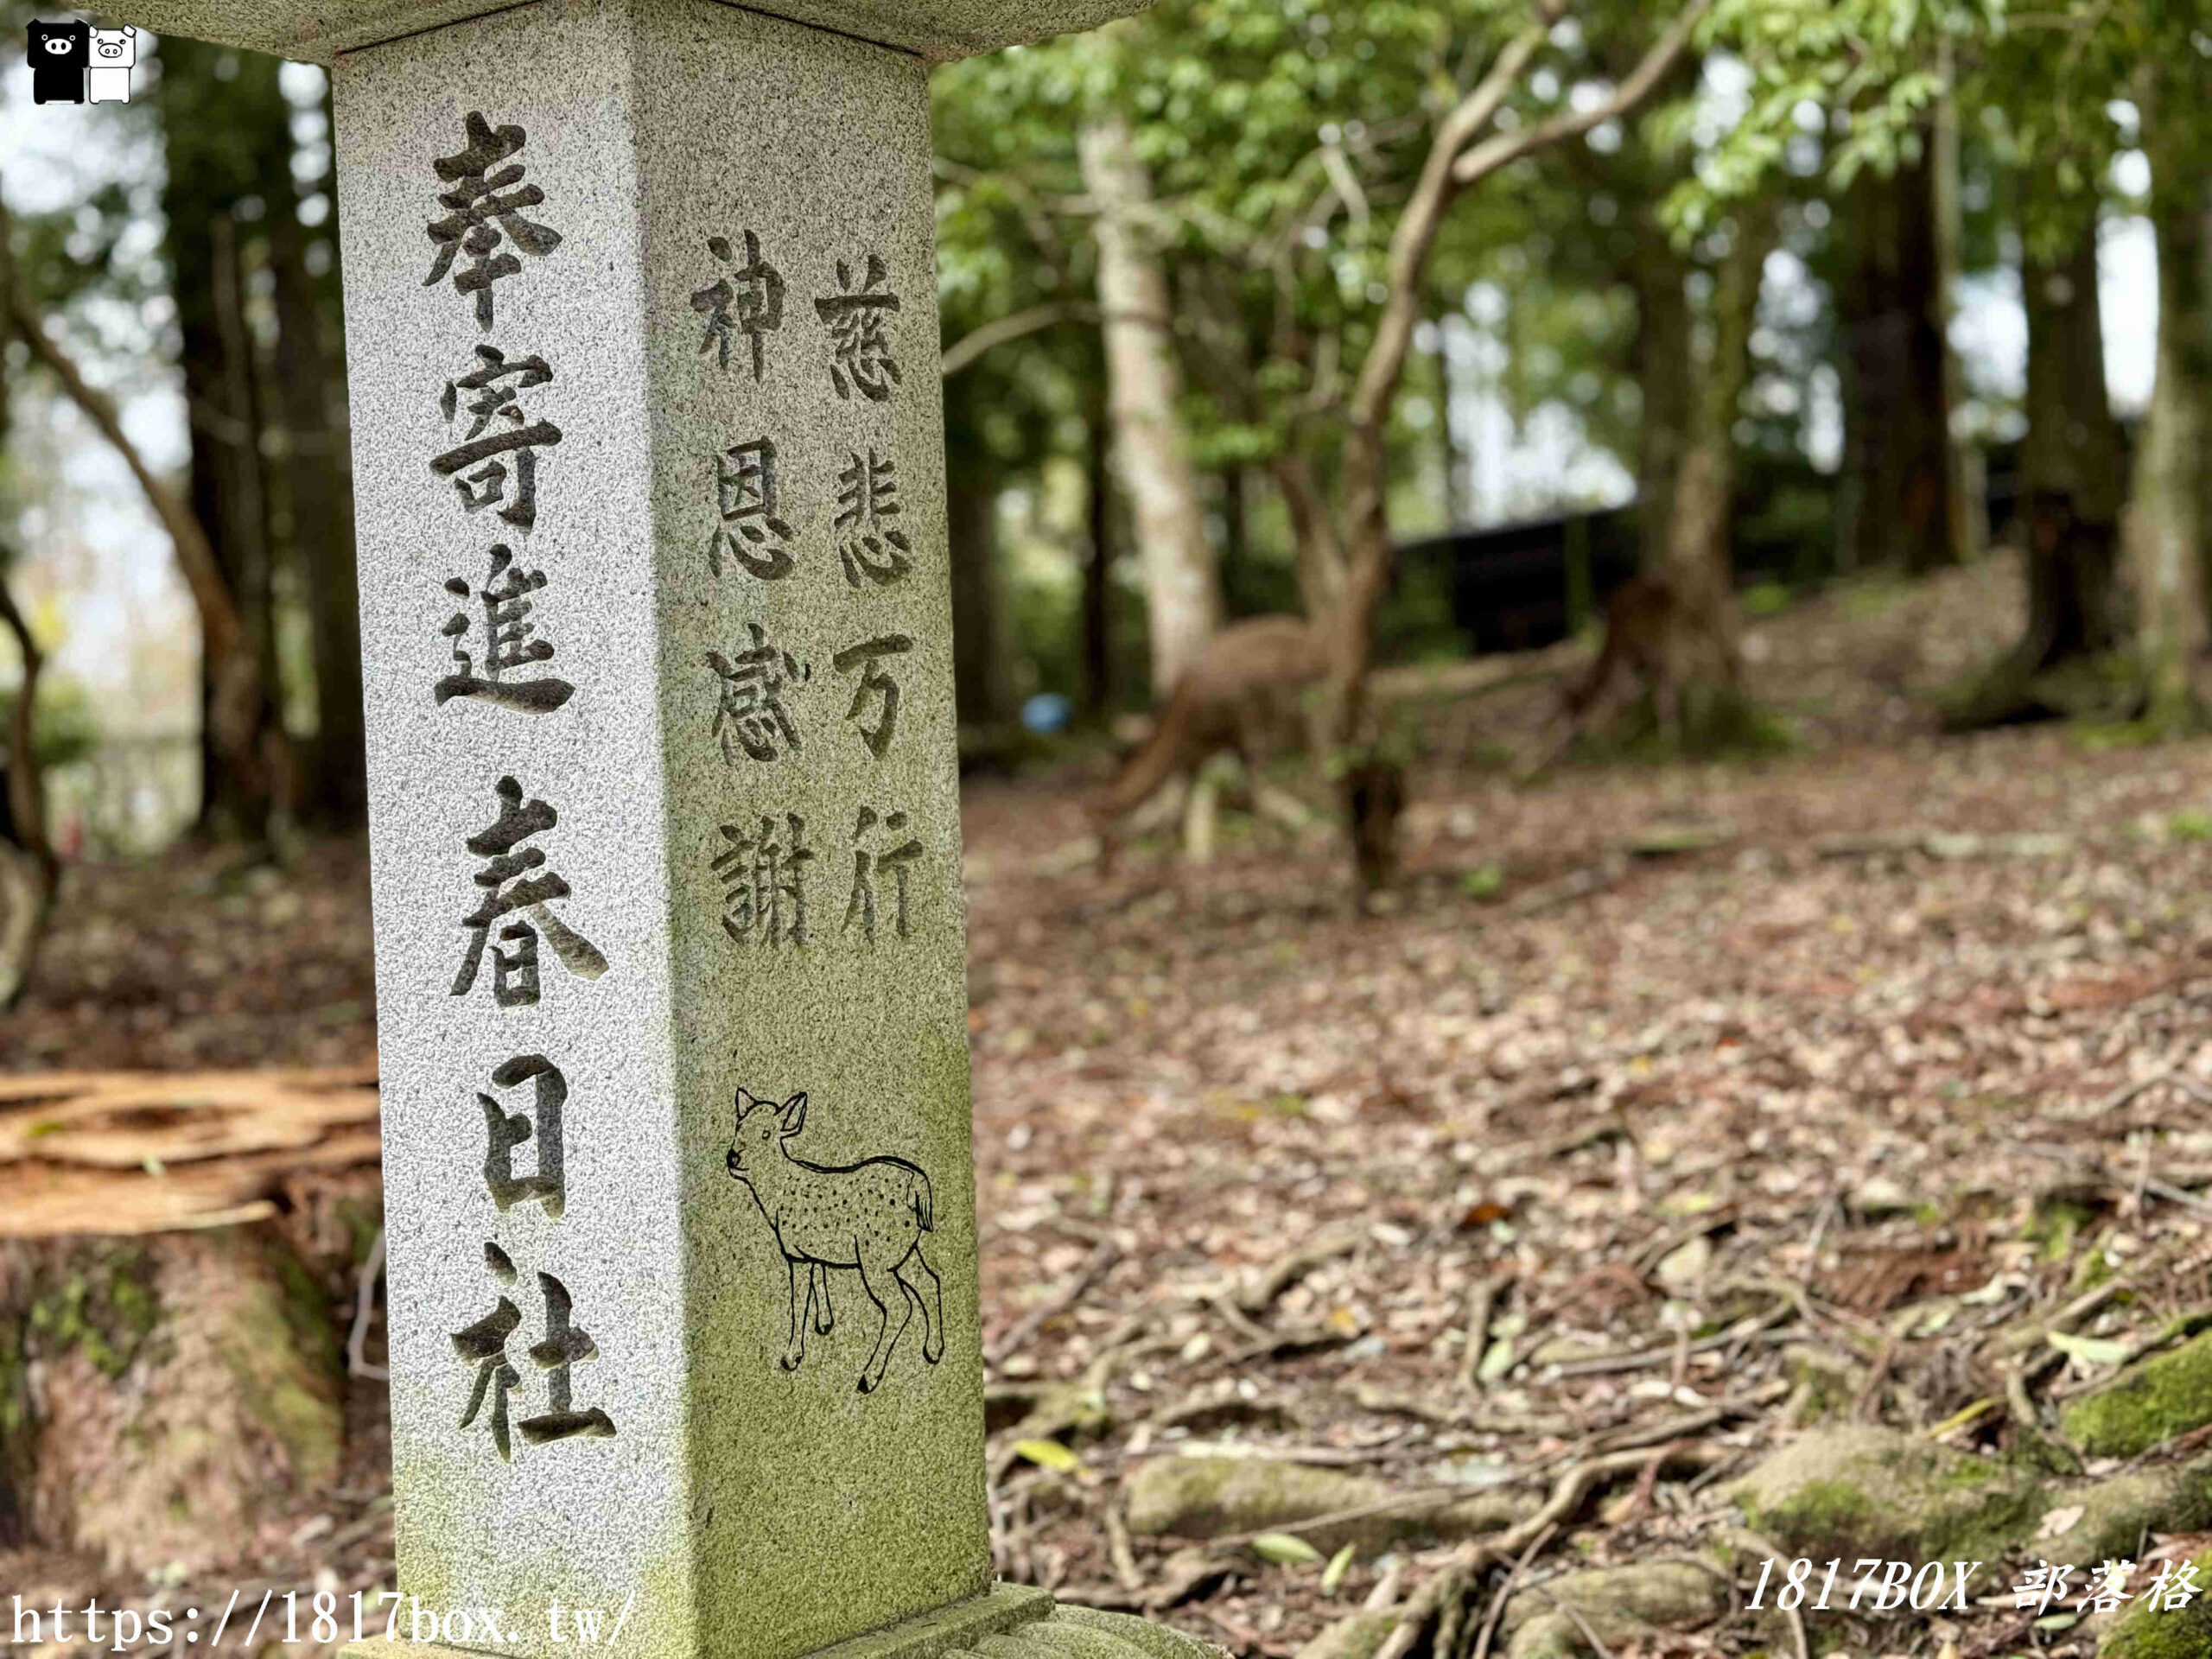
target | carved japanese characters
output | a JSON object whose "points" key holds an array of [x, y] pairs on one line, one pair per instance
{"points": [[484, 1344], [749, 300], [862, 360], [515, 882], [484, 220]]}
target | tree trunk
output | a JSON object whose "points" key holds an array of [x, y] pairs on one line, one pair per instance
{"points": [[319, 498], [1152, 449], [979, 688], [162, 1397], [1965, 474], [1661, 358], [1699, 565], [2069, 501], [1451, 457], [2168, 522], [1098, 555], [232, 804], [1893, 308], [226, 137], [1236, 530], [30, 872], [249, 746]]}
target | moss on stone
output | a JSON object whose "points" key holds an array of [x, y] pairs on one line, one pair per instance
{"points": [[2117, 1512], [1355, 1635], [2145, 1405], [2148, 1632], [1863, 1490], [1209, 1497]]}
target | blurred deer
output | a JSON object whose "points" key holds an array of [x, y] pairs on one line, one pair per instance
{"points": [[870, 1216], [1654, 635], [1245, 681]]}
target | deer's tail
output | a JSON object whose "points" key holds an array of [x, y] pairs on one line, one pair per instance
{"points": [[925, 1206], [1155, 760]]}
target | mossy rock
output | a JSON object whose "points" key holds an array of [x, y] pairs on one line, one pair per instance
{"points": [[1622, 1605], [1823, 1384], [1355, 1635], [2117, 1512], [1865, 1490], [2147, 1632], [1211, 1497], [2144, 1405]]}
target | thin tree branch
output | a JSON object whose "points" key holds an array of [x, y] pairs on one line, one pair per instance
{"points": [[220, 628], [1424, 213], [1506, 147], [972, 345], [239, 719]]}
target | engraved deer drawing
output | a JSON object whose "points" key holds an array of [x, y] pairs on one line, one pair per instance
{"points": [[870, 1215]]}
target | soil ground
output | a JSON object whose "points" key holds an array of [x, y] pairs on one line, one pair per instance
{"points": [[1882, 1045]]}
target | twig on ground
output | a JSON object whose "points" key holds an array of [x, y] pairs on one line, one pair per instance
{"points": [[1632, 1438], [2127, 1091], [1573, 1487], [1261, 1290], [2041, 1443], [1405, 1502], [1384, 1595], [1007, 1346], [1755, 1545], [2022, 1338], [1644, 1358], [1496, 1608], [1482, 1304], [1118, 1547], [1574, 1613]]}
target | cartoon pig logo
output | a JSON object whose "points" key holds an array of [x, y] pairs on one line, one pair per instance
{"points": [[114, 50]]}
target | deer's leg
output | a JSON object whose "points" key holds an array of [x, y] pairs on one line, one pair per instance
{"points": [[930, 1297], [794, 1348], [877, 1279], [818, 1293], [1668, 701]]}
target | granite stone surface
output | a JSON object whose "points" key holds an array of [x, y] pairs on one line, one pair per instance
{"points": [[316, 31], [1006, 1622], [664, 819]]}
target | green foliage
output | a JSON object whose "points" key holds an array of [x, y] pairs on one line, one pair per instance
{"points": [[63, 726], [1483, 882], [1862, 73], [1764, 599]]}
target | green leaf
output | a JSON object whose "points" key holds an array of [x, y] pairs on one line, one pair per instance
{"points": [[2090, 1350], [1049, 1454], [1332, 1576], [1482, 882], [1285, 1549], [1497, 1361]]}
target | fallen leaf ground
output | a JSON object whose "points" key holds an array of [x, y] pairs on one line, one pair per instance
{"points": [[1879, 1049]]}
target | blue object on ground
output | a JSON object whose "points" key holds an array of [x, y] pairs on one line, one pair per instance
{"points": [[1046, 713]]}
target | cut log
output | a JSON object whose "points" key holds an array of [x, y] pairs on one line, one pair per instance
{"points": [[125, 1153]]}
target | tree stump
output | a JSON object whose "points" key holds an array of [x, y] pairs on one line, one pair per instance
{"points": [[170, 1250]]}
